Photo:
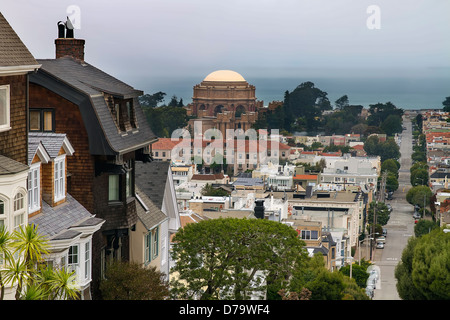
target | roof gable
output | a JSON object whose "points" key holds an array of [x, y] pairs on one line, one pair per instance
{"points": [[13, 52]]}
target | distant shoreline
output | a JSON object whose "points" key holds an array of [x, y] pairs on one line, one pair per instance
{"points": [[406, 93]]}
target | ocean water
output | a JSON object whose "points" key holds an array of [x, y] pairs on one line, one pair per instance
{"points": [[403, 92]]}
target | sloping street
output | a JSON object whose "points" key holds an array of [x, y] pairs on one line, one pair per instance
{"points": [[400, 226]]}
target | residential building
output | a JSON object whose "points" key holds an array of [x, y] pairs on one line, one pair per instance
{"points": [[102, 119], [16, 64], [155, 185], [66, 224]]}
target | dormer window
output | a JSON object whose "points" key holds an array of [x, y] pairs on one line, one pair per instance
{"points": [[123, 112], [4, 108]]}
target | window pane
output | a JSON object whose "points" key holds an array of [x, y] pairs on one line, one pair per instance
{"points": [[48, 121], [35, 120], [3, 107], [113, 192], [2, 207]]}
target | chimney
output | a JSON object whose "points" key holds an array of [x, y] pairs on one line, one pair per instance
{"points": [[66, 44], [259, 209]]}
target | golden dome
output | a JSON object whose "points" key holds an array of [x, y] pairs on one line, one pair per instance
{"points": [[224, 76]]}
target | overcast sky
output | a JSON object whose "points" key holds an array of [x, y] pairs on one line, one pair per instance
{"points": [[136, 39]]}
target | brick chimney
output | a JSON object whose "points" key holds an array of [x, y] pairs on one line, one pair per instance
{"points": [[66, 44], [70, 47]]}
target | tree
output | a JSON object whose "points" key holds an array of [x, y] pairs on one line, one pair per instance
{"points": [[419, 195], [232, 258], [390, 165], [430, 265], [403, 273], [151, 100], [164, 120], [419, 177], [391, 182], [424, 226], [23, 253], [446, 104], [342, 102], [386, 150], [209, 190], [381, 211], [392, 124], [132, 281], [379, 112]]}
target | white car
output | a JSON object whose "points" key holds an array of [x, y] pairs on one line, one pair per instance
{"points": [[380, 245], [381, 239]]}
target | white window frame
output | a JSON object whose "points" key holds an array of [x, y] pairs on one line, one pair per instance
{"points": [[87, 260], [7, 125], [59, 180], [4, 215], [34, 188], [71, 265]]}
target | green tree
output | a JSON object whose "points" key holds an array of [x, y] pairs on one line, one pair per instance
{"points": [[230, 258], [419, 195], [424, 226], [379, 112], [390, 165], [446, 104], [166, 119], [23, 253], [403, 273], [392, 124], [381, 211], [151, 100], [132, 281], [391, 182], [430, 266], [419, 177], [342, 102]]}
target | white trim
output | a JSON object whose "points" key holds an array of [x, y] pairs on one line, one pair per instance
{"points": [[68, 147], [16, 70], [56, 195], [7, 125], [34, 167]]}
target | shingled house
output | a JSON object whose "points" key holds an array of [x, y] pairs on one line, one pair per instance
{"points": [[102, 119], [67, 225], [16, 63]]}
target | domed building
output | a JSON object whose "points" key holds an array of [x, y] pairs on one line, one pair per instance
{"points": [[224, 100]]}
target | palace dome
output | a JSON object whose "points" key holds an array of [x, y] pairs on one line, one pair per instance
{"points": [[224, 76]]}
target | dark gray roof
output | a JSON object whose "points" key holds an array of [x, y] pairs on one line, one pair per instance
{"points": [[248, 182], [440, 175], [151, 178], [52, 143], [84, 85], [53, 222], [10, 166], [12, 50], [150, 215]]}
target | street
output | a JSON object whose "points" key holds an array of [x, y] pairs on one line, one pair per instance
{"points": [[400, 226]]}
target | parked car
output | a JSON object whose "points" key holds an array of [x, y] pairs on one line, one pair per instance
{"points": [[381, 239], [384, 232], [380, 245], [389, 207], [417, 215]]}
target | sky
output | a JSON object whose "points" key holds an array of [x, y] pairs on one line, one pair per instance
{"points": [[146, 41]]}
